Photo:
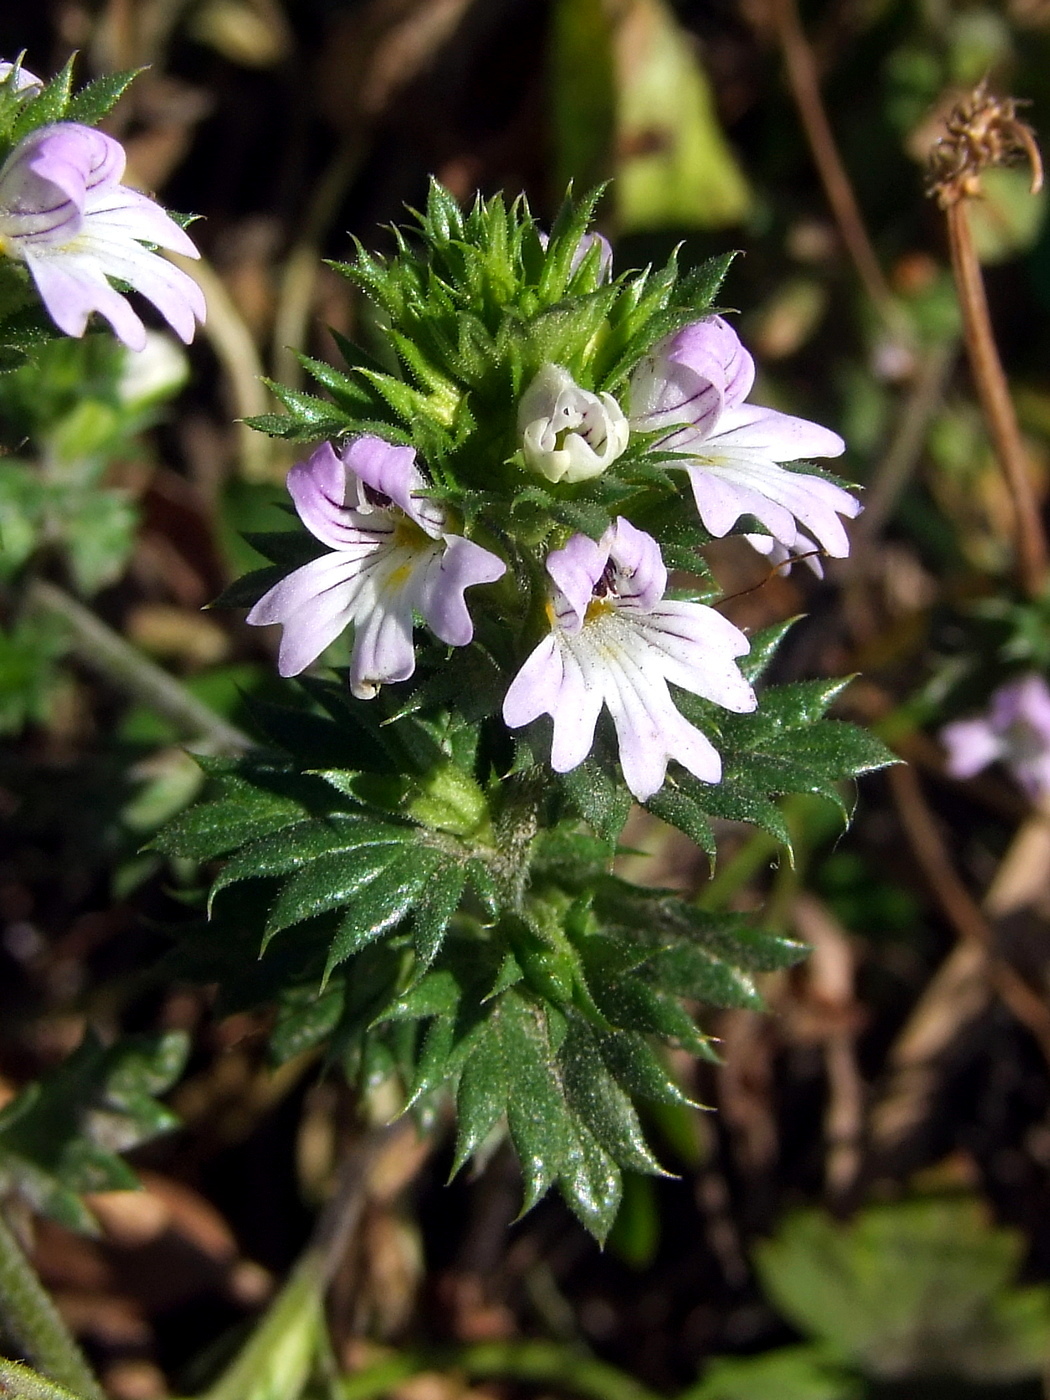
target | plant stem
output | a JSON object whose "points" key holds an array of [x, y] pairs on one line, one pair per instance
{"points": [[962, 911], [235, 348], [109, 655], [805, 89], [996, 403], [33, 1321]]}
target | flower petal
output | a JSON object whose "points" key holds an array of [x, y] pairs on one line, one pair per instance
{"points": [[72, 287], [694, 647], [722, 498], [649, 730], [314, 604], [383, 650], [641, 575], [777, 436], [773, 495], [121, 212], [576, 568], [972, 745], [173, 292], [553, 682], [461, 565], [318, 489], [391, 471]]}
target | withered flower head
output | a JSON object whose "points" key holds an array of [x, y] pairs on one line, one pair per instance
{"points": [[982, 131]]}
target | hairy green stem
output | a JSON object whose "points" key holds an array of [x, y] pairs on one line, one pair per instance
{"points": [[33, 1322], [105, 652], [23, 1383]]}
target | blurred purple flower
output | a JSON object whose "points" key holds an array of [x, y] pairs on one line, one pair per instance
{"points": [[389, 558], [1015, 728], [616, 641], [65, 214], [692, 388]]}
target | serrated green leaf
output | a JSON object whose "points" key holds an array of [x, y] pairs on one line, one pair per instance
{"points": [[690, 971], [591, 1184], [599, 797], [764, 646], [380, 903], [331, 881], [673, 806], [63, 1137], [436, 994], [481, 1099], [48, 106], [306, 1017], [540, 1124], [597, 1099], [296, 846], [633, 1062], [213, 828], [430, 918], [99, 97]]}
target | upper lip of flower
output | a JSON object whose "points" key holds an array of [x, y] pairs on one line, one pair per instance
{"points": [[64, 213]]}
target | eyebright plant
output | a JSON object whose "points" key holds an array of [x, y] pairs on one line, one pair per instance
{"points": [[423, 853]]}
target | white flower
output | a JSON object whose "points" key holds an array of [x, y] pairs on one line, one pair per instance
{"points": [[569, 434], [615, 641]]}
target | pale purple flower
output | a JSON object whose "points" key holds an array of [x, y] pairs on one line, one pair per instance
{"points": [[1015, 728], [389, 558], [567, 433], [586, 243], [616, 641], [24, 80], [692, 388], [782, 559], [65, 214]]}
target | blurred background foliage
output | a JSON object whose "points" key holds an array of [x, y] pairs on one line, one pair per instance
{"points": [[867, 1212]]}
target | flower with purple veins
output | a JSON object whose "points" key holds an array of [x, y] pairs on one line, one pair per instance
{"points": [[616, 641], [65, 214], [691, 388], [1015, 728], [389, 557], [567, 433]]}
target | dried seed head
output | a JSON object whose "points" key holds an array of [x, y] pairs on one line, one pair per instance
{"points": [[982, 131]]}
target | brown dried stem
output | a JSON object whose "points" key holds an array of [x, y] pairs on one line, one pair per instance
{"points": [[959, 906], [982, 132], [805, 89], [996, 404]]}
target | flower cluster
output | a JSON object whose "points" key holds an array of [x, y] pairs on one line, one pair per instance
{"points": [[613, 640], [1015, 729], [66, 216]]}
